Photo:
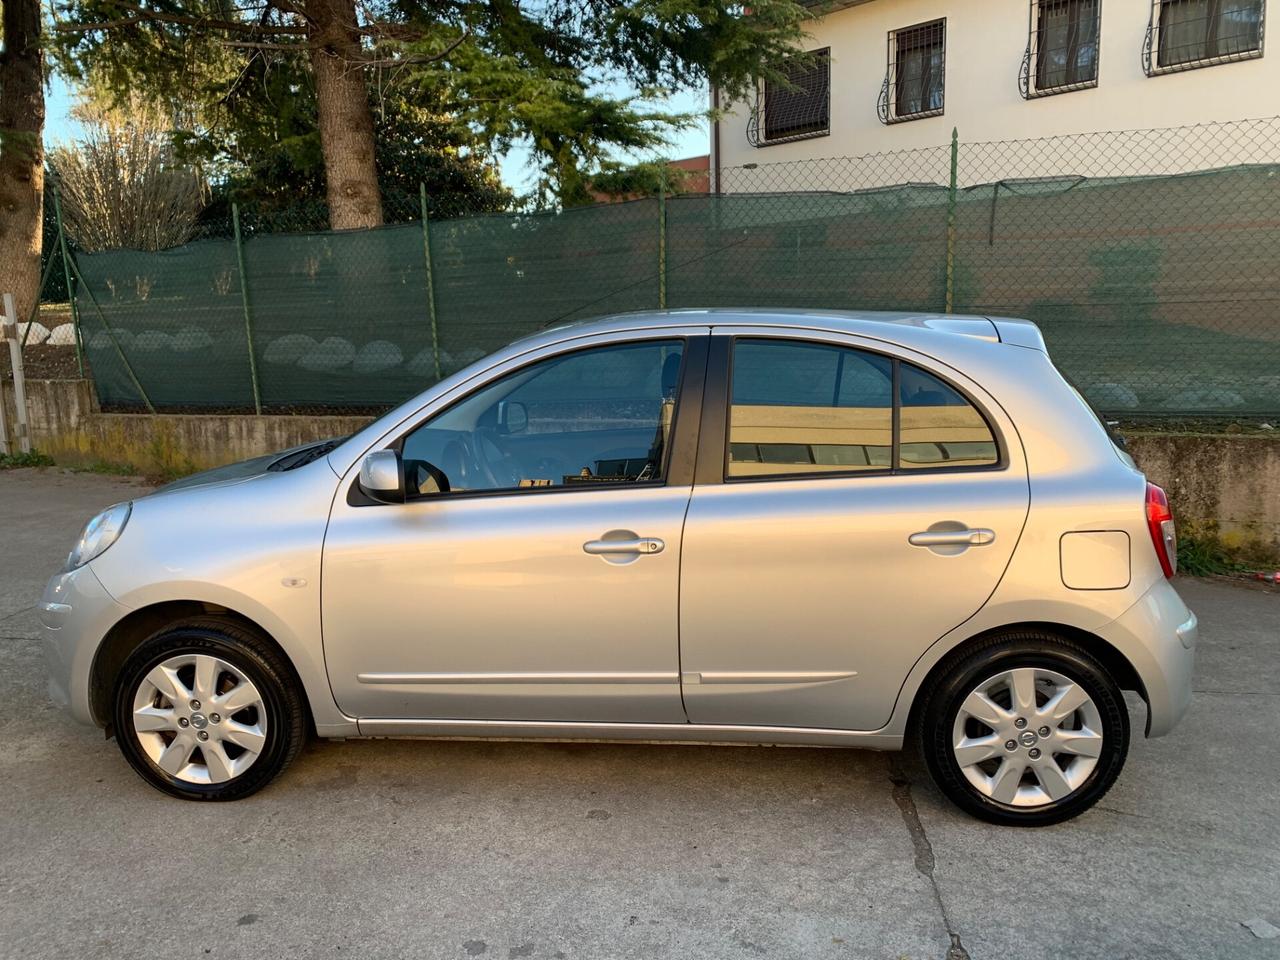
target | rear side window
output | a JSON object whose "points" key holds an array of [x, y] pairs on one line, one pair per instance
{"points": [[939, 427], [809, 409]]}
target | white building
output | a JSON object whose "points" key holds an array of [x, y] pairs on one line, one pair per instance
{"points": [[897, 75]]}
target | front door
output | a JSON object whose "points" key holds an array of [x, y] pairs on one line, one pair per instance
{"points": [[860, 507], [533, 574]]}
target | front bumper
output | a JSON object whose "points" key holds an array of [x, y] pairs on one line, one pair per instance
{"points": [[75, 613], [1158, 634]]}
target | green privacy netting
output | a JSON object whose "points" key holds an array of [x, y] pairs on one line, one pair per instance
{"points": [[1157, 294]]}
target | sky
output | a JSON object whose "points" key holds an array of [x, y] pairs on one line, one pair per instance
{"points": [[517, 172]]}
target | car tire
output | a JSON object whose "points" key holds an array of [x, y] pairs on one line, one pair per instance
{"points": [[208, 710], [1006, 762]]}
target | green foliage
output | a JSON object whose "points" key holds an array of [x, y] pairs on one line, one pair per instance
{"points": [[277, 169], [108, 469], [646, 179], [452, 82], [1205, 557], [34, 458]]}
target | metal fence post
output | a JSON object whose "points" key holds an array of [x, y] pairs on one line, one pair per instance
{"points": [[951, 222], [431, 285], [662, 240], [66, 272], [115, 342], [248, 314], [35, 307]]}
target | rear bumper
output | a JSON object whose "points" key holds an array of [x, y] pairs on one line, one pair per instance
{"points": [[1158, 635], [75, 613]]}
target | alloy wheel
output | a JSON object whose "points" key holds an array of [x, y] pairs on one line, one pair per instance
{"points": [[1027, 737], [199, 719]]}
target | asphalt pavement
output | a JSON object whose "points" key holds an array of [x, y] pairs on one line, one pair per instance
{"points": [[422, 849]]}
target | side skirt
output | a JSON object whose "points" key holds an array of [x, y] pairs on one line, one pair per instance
{"points": [[644, 732]]}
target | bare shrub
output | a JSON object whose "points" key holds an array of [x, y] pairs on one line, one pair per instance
{"points": [[119, 184]]}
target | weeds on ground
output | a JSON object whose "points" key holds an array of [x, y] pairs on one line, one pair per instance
{"points": [[32, 458], [1205, 558], [107, 468]]}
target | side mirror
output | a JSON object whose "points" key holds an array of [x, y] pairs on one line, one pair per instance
{"points": [[382, 476], [513, 417]]}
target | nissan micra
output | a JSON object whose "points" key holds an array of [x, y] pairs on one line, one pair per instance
{"points": [[839, 529]]}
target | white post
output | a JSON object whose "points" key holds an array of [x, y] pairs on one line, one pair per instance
{"points": [[9, 326], [4, 430]]}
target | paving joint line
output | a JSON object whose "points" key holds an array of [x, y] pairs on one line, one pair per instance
{"points": [[1237, 693], [16, 613], [924, 858]]}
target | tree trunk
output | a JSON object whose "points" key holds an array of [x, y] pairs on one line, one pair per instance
{"points": [[21, 153], [346, 122]]}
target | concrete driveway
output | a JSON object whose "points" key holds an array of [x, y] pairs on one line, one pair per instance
{"points": [[455, 849]]}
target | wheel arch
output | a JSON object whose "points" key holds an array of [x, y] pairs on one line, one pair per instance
{"points": [[141, 624], [1110, 656]]}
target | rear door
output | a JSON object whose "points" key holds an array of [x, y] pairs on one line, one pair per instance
{"points": [[852, 504]]}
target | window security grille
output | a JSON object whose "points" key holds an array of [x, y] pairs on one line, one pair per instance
{"points": [[794, 111], [1062, 47], [1185, 34], [914, 82]]}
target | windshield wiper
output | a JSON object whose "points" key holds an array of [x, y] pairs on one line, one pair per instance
{"points": [[300, 458]]}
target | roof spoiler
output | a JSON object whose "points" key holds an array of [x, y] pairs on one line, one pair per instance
{"points": [[1020, 333]]}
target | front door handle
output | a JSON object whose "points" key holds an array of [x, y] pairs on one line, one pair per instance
{"points": [[639, 545], [979, 537]]}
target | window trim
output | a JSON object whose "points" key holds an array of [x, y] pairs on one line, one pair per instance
{"points": [[678, 459], [886, 108], [1030, 68], [757, 122], [720, 387], [1151, 46]]}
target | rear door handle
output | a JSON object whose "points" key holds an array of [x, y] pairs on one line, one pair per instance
{"points": [[640, 545], [979, 537]]}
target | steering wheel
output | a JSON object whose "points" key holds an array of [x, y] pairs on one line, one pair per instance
{"points": [[498, 471]]}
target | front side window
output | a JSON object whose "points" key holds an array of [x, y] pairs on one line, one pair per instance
{"points": [[594, 417], [1191, 33], [1065, 44], [802, 106], [914, 84], [809, 409]]}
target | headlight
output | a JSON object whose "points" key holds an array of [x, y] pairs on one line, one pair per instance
{"points": [[98, 534]]}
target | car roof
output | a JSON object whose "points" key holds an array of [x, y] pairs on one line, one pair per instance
{"points": [[873, 322]]}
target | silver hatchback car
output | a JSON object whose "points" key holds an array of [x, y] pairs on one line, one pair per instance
{"points": [[838, 529]]}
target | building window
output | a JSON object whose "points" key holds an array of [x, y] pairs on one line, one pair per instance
{"points": [[798, 109], [1184, 34], [914, 83], [1062, 47]]}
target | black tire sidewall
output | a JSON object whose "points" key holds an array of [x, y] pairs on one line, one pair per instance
{"points": [[282, 726], [940, 717]]}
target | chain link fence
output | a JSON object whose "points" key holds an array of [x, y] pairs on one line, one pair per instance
{"points": [[1150, 259]]}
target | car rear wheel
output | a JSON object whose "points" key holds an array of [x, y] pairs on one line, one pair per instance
{"points": [[1027, 729], [208, 711]]}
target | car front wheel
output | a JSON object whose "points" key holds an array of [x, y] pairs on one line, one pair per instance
{"points": [[208, 711], [1027, 729]]}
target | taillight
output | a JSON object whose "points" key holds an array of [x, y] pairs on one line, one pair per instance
{"points": [[1163, 535]]}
